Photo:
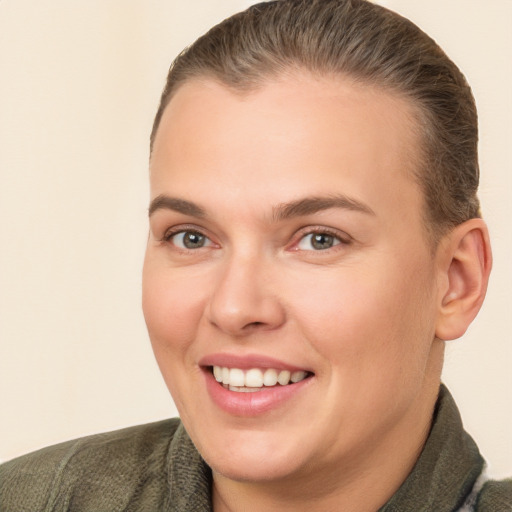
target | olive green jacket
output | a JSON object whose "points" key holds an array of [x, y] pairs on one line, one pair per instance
{"points": [[155, 467]]}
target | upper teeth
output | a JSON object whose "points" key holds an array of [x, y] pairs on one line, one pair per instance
{"points": [[256, 378]]}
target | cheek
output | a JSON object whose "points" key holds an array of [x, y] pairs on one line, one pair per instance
{"points": [[372, 334], [172, 307], [172, 310], [364, 321]]}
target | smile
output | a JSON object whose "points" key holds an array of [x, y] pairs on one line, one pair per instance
{"points": [[255, 379]]}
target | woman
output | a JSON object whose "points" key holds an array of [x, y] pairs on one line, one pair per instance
{"points": [[315, 237]]}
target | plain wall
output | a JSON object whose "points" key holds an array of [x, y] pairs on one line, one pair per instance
{"points": [[79, 86]]}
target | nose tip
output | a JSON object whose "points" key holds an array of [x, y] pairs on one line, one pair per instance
{"points": [[244, 301], [242, 319]]}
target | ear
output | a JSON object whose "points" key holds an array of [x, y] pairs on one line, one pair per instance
{"points": [[465, 261]]}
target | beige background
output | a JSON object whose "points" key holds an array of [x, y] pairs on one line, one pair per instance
{"points": [[79, 85]]}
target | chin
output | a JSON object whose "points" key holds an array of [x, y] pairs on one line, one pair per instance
{"points": [[253, 457], [255, 469]]}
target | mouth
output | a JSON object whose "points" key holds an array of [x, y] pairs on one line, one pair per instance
{"points": [[256, 379], [253, 384]]}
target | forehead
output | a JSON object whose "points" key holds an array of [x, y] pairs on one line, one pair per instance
{"points": [[295, 94], [295, 134]]}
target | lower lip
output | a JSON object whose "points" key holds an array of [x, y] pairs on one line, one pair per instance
{"points": [[253, 403]]}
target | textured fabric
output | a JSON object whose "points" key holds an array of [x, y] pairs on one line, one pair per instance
{"points": [[119, 471], [447, 470], [155, 467]]}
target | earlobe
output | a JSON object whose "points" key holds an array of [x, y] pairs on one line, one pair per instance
{"points": [[466, 264]]}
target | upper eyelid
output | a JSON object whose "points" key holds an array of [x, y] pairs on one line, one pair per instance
{"points": [[182, 231], [309, 230], [174, 230]]}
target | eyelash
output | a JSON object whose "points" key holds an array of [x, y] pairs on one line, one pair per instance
{"points": [[342, 239], [172, 232]]}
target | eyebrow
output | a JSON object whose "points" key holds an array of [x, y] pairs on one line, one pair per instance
{"points": [[310, 205], [163, 202], [298, 208]]}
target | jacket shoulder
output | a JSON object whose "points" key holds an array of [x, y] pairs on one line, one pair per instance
{"points": [[495, 496], [98, 472]]}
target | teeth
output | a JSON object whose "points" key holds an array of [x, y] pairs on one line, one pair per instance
{"points": [[254, 379], [242, 389], [284, 377], [298, 376], [270, 377], [236, 377], [217, 373]]}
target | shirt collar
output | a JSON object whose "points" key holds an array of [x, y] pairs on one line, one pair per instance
{"points": [[447, 468]]}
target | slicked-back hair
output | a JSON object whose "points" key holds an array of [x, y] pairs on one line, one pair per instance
{"points": [[371, 45]]}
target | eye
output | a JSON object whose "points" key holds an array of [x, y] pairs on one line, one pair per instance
{"points": [[189, 240], [318, 242]]}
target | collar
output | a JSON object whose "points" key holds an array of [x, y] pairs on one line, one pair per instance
{"points": [[189, 477], [447, 469]]}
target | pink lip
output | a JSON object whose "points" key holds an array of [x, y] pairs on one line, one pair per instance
{"points": [[247, 361], [251, 404]]}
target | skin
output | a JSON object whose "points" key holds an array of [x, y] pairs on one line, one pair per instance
{"points": [[362, 315]]}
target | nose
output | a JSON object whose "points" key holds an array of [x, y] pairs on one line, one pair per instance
{"points": [[245, 298]]}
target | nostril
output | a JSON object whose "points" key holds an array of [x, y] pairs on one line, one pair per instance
{"points": [[254, 325]]}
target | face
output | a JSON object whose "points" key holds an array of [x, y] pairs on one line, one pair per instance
{"points": [[287, 242]]}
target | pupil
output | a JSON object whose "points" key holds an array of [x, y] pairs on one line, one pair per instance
{"points": [[193, 240], [322, 241]]}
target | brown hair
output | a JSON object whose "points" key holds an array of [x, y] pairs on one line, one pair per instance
{"points": [[369, 44]]}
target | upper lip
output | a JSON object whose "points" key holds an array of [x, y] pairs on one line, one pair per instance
{"points": [[248, 361]]}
